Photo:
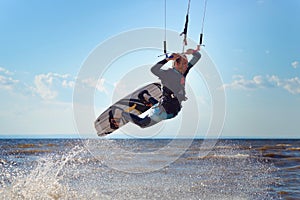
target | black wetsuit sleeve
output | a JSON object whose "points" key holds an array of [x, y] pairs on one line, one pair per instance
{"points": [[156, 69], [193, 61]]}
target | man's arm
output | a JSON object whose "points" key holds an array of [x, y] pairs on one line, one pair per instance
{"points": [[156, 69], [193, 61]]}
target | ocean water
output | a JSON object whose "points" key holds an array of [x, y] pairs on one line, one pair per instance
{"points": [[149, 169]]}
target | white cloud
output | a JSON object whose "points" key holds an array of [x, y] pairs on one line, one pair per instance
{"points": [[295, 64], [292, 85], [47, 86], [5, 71], [98, 84], [68, 84], [43, 84], [240, 82], [7, 83]]}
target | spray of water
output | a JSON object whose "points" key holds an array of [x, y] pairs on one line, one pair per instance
{"points": [[45, 179]]}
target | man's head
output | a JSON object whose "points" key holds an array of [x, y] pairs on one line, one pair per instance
{"points": [[180, 63]]}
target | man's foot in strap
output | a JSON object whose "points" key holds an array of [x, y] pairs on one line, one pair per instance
{"points": [[112, 121], [149, 101], [142, 97]]}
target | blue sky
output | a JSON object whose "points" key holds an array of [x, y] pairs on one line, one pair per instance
{"points": [[253, 43]]}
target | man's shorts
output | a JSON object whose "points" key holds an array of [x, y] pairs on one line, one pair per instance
{"points": [[157, 113]]}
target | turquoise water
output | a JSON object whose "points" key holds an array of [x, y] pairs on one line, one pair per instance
{"points": [[149, 169]]}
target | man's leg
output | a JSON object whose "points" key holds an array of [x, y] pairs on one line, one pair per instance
{"points": [[142, 122]]}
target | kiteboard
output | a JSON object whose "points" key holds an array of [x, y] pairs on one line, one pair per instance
{"points": [[111, 119]]}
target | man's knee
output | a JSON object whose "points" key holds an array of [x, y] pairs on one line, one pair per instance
{"points": [[145, 122]]}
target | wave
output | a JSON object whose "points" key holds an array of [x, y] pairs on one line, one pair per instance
{"points": [[269, 147], [28, 151], [283, 145], [294, 149], [277, 155], [3, 162], [28, 145], [293, 168], [234, 156]]}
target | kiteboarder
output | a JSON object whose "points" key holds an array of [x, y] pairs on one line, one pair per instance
{"points": [[173, 91]]}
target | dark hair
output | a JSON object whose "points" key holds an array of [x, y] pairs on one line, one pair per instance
{"points": [[178, 60]]}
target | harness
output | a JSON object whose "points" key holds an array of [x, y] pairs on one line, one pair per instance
{"points": [[170, 102]]}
